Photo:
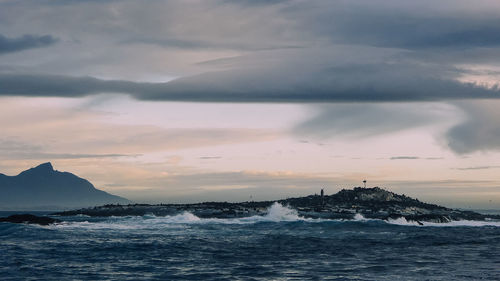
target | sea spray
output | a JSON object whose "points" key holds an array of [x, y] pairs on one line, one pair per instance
{"points": [[275, 213], [278, 212], [359, 217]]}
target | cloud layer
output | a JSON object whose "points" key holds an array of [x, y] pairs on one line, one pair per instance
{"points": [[481, 129], [321, 51], [9, 45], [343, 84]]}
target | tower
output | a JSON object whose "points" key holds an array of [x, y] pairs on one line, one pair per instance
{"points": [[364, 181], [322, 198]]}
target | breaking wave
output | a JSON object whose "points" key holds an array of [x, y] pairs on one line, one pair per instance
{"points": [[275, 213], [359, 217]]}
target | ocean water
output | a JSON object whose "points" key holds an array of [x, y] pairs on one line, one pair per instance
{"points": [[278, 246]]}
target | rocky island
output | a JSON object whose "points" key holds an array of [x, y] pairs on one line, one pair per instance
{"points": [[30, 219], [373, 203]]}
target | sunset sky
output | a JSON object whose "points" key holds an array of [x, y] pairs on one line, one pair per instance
{"points": [[187, 101]]}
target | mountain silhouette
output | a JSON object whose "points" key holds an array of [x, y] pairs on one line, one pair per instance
{"points": [[43, 187]]}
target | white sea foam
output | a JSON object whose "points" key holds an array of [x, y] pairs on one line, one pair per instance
{"points": [[83, 216], [278, 212], [464, 223], [403, 221], [359, 217], [275, 213], [91, 225]]}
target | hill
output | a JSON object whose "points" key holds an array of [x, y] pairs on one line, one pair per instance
{"points": [[43, 187]]}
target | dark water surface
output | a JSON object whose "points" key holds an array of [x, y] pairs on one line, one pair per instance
{"points": [[279, 246]]}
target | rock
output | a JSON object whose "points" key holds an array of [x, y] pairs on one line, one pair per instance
{"points": [[29, 219]]}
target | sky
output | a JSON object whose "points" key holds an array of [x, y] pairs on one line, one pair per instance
{"points": [[188, 101]]}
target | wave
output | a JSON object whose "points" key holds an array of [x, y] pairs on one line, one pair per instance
{"points": [[403, 221], [359, 217], [278, 213], [275, 213]]}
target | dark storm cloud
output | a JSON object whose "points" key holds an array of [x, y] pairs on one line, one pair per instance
{"points": [[9, 45], [340, 84], [401, 24], [317, 51], [60, 86], [349, 82], [382, 23]]}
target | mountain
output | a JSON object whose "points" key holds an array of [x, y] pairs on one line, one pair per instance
{"points": [[43, 187]]}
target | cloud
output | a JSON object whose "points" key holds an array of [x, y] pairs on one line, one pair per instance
{"points": [[481, 129], [319, 51], [283, 84], [59, 86], [314, 82], [396, 24], [13, 148], [9, 45], [414, 158], [462, 126], [40, 130], [193, 44], [228, 186], [110, 140], [465, 126], [357, 120], [307, 52], [477, 168], [42, 155], [346, 51], [404, 158], [210, 157]]}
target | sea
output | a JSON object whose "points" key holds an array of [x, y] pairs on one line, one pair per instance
{"points": [[277, 246]]}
